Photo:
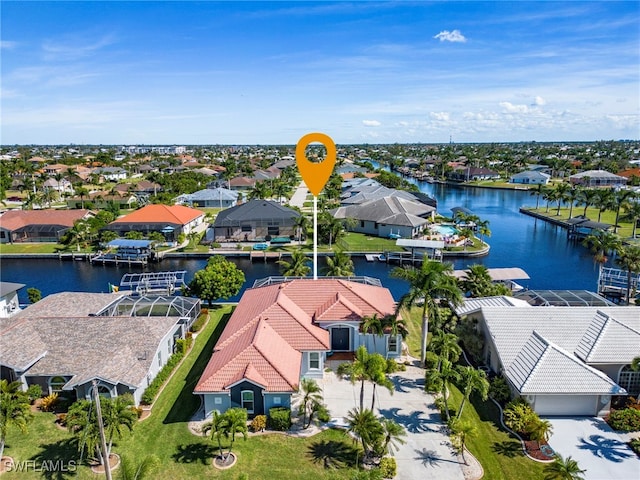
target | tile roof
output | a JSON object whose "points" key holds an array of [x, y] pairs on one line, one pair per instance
{"points": [[156, 213], [15, 219], [542, 367], [607, 340], [471, 305], [273, 324], [57, 336]]}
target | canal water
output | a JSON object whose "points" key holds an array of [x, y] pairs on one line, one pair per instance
{"points": [[517, 240]]}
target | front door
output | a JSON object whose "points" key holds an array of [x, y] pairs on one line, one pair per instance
{"points": [[340, 339]]}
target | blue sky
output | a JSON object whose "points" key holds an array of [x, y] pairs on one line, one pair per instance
{"points": [[361, 72]]}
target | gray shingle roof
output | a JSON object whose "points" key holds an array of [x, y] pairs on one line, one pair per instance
{"points": [[256, 210], [213, 194], [9, 287], [542, 367], [390, 210]]}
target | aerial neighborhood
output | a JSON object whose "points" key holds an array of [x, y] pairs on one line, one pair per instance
{"points": [[462, 369]]}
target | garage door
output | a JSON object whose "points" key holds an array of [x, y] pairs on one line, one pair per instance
{"points": [[566, 405]]}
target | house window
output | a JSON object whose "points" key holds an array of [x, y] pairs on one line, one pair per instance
{"points": [[246, 228], [277, 401], [247, 400], [361, 223], [273, 230], [104, 392], [169, 345], [314, 360], [159, 359], [629, 380], [393, 344], [56, 384], [217, 401]]}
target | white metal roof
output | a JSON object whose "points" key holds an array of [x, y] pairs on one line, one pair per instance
{"points": [[403, 242]]}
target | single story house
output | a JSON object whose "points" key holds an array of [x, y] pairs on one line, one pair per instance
{"points": [[562, 360], [9, 304], [467, 174], [255, 220], [210, 197], [598, 178], [388, 216], [530, 177], [284, 331], [170, 220], [111, 174], [38, 225], [67, 340], [61, 186]]}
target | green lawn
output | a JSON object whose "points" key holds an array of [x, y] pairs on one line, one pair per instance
{"points": [[30, 248], [499, 452], [625, 228], [182, 454], [358, 242]]}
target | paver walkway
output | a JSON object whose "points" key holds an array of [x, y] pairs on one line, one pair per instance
{"points": [[427, 452]]}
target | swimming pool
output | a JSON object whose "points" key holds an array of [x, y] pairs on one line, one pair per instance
{"points": [[445, 230]]}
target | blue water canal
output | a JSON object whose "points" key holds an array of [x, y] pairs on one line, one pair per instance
{"points": [[517, 240]]}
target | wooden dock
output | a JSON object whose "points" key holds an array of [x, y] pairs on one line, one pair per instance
{"points": [[264, 255]]}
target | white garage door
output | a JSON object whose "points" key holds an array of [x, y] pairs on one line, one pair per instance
{"points": [[566, 405]]}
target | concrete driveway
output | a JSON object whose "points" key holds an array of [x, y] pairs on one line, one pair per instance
{"points": [[427, 452], [598, 449]]}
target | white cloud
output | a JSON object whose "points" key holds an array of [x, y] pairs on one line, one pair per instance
{"points": [[441, 116], [371, 123], [539, 101], [511, 108], [454, 36], [7, 44]]}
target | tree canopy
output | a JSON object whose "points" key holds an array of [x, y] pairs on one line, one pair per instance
{"points": [[219, 279]]}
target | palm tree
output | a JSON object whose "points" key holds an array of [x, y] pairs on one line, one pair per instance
{"points": [[118, 414], [563, 469], [537, 191], [302, 225], [215, 430], [373, 324], [462, 431], [483, 229], [236, 422], [446, 346], [340, 265], [549, 195], [260, 191], [472, 380], [393, 433], [540, 430], [443, 378], [621, 197], [311, 393], [82, 421], [632, 212], [430, 282], [561, 191], [477, 281], [357, 370], [635, 364], [364, 425], [629, 260], [571, 196], [602, 243], [139, 470], [376, 369], [587, 197], [14, 410], [297, 267]]}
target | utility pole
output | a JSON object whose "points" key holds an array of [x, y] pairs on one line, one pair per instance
{"points": [[103, 438]]}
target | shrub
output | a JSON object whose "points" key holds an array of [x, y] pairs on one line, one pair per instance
{"points": [[392, 366], [152, 390], [183, 345], [49, 402], [499, 390], [279, 419], [323, 414], [518, 415], [61, 419], [200, 321], [137, 410], [626, 420], [373, 474], [635, 445], [388, 467], [34, 392], [259, 423]]}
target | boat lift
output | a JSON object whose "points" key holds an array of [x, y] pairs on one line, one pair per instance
{"points": [[141, 283]]}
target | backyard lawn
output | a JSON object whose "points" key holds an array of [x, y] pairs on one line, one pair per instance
{"points": [[328, 455]]}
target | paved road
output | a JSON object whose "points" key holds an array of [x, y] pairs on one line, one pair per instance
{"points": [[427, 452], [299, 196]]}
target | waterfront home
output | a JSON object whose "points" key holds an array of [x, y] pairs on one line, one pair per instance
{"points": [[170, 220], [562, 360], [17, 226], [598, 178], [284, 331], [391, 216], [210, 197], [468, 174], [9, 304], [255, 220], [66, 340], [530, 177]]}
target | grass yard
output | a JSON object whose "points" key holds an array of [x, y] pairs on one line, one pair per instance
{"points": [[413, 321], [329, 455], [6, 248], [358, 242], [625, 228], [499, 453]]}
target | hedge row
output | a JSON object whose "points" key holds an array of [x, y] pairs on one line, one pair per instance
{"points": [[152, 390]]}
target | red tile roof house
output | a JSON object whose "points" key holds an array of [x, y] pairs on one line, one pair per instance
{"points": [[281, 332], [170, 220], [38, 225]]}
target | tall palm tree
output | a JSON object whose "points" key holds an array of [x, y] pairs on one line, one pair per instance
{"points": [[477, 281], [297, 267], [483, 229], [561, 191], [446, 346], [629, 259], [215, 430], [632, 212], [587, 197], [563, 469], [357, 370], [14, 410], [432, 281], [442, 378], [302, 225], [621, 198], [311, 393], [537, 191], [472, 380], [260, 191], [340, 265], [377, 373], [393, 433], [602, 243], [118, 414]]}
